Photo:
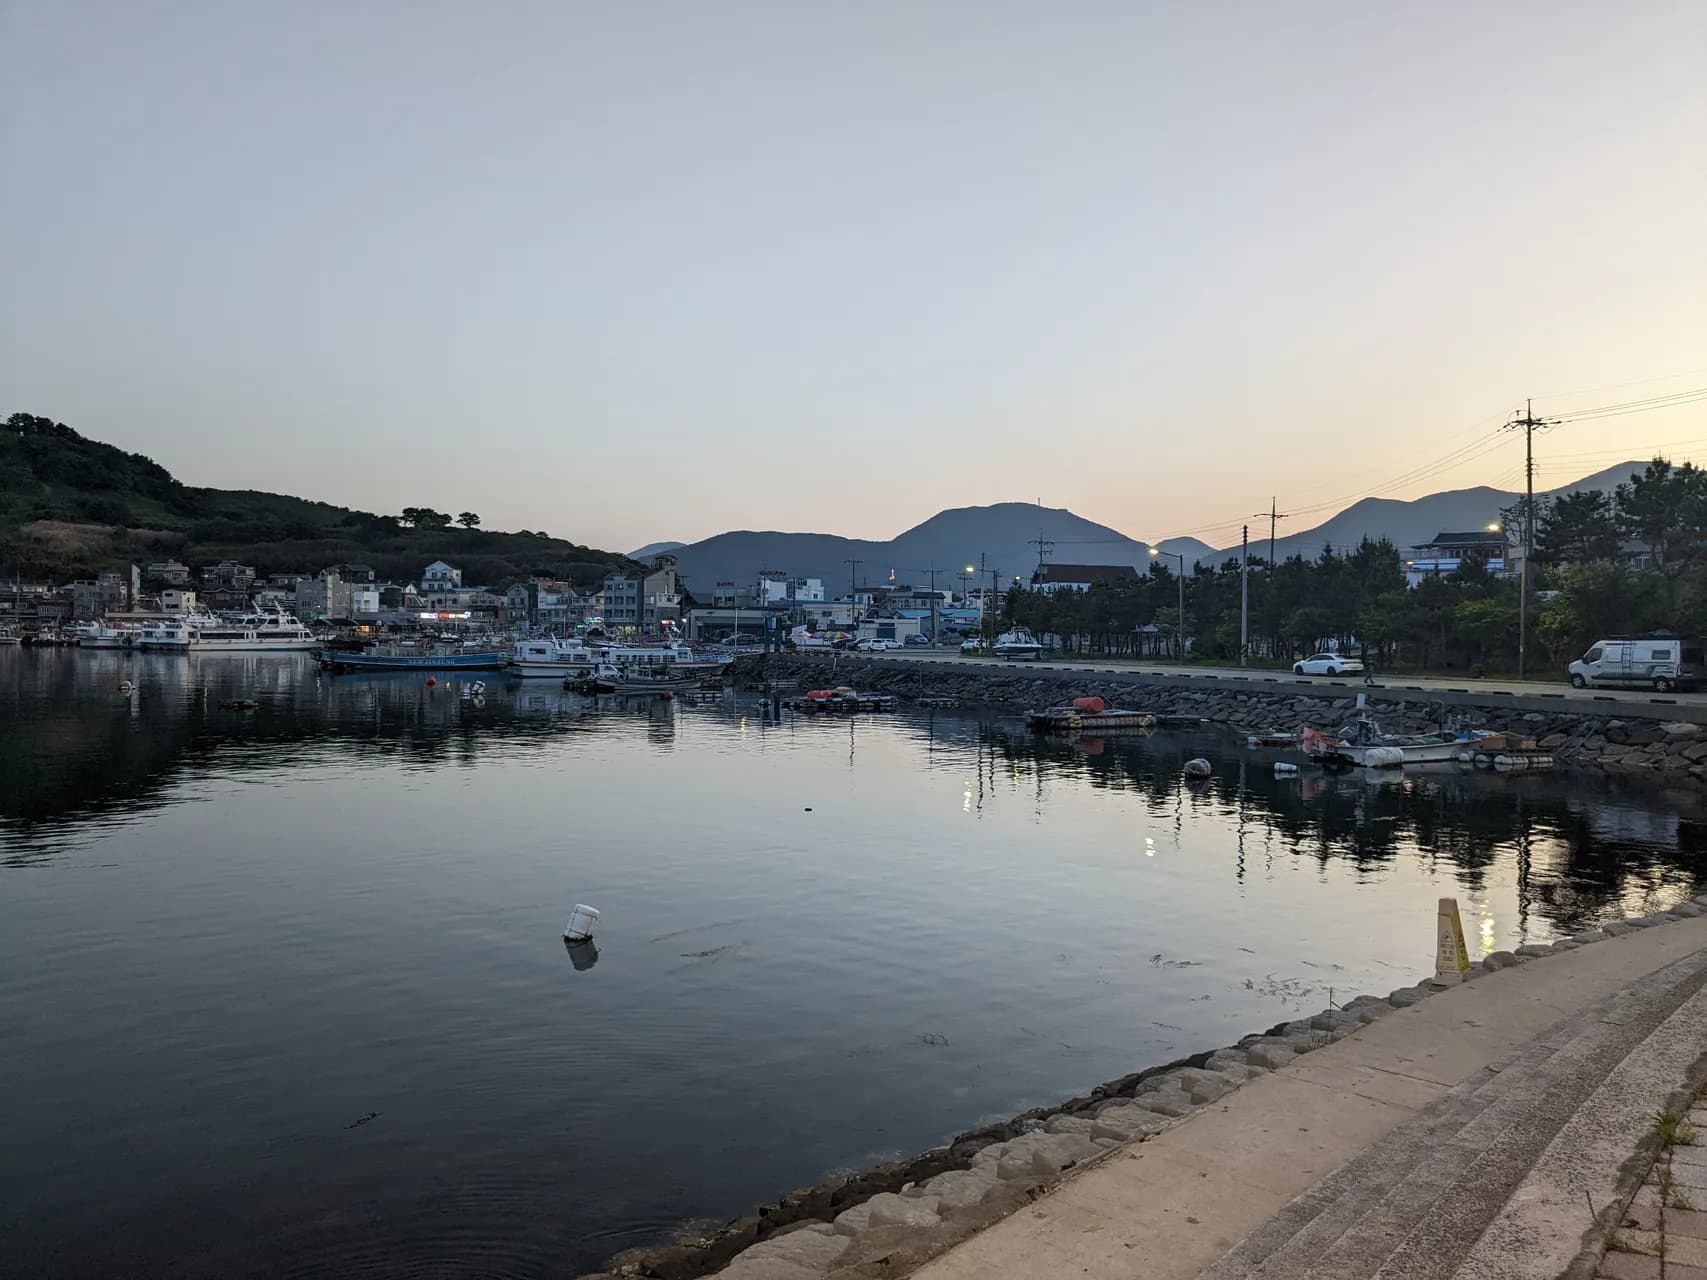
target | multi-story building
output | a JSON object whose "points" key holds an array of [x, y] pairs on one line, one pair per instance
{"points": [[326, 595], [644, 602], [228, 576], [169, 572], [1051, 578], [1448, 552], [439, 577]]}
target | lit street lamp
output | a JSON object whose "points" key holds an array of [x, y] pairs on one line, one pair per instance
{"points": [[1157, 551]]}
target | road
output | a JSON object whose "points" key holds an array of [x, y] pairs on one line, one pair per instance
{"points": [[1395, 684]]}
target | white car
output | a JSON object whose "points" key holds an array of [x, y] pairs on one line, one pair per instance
{"points": [[973, 645], [1328, 664], [877, 645]]}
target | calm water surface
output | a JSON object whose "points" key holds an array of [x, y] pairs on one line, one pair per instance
{"points": [[226, 938]]}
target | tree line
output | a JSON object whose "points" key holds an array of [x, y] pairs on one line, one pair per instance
{"points": [[1604, 563]]}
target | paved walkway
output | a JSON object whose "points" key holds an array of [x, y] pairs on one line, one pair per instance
{"points": [[1392, 1152], [1664, 1236]]}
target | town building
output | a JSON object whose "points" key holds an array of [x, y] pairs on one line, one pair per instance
{"points": [[1050, 578], [177, 600], [26, 607], [439, 577], [1447, 552], [167, 572], [644, 602], [228, 576]]}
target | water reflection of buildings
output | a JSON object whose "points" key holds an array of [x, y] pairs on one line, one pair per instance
{"points": [[1581, 847], [76, 747]]}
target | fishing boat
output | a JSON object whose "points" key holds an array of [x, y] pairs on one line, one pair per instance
{"points": [[606, 677], [6, 637], [1018, 643], [412, 658], [1361, 742]]}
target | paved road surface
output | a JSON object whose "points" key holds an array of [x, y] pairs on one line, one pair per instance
{"points": [[1453, 684]]}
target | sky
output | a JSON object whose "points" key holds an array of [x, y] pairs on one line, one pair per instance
{"points": [[629, 273]]}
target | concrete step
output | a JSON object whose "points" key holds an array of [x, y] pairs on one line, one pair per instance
{"points": [[1413, 1204]]}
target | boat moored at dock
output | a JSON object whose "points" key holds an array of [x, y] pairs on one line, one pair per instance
{"points": [[412, 658]]}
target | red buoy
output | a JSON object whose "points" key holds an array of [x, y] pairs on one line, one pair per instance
{"points": [[431, 681]]}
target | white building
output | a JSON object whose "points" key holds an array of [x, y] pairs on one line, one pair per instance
{"points": [[440, 577], [776, 589]]}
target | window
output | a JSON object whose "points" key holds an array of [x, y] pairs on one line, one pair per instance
{"points": [[1593, 655], [1659, 655]]}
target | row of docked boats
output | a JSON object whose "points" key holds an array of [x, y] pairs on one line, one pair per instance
{"points": [[1359, 743], [603, 665]]}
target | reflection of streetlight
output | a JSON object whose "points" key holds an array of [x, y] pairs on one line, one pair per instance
{"points": [[1157, 551]]}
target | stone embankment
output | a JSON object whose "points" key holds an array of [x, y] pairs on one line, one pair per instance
{"points": [[889, 1221], [1676, 750]]}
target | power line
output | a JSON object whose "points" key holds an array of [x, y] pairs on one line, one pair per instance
{"points": [[1619, 386]]}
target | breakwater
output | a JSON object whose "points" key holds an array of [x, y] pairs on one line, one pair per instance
{"points": [[1644, 737]]}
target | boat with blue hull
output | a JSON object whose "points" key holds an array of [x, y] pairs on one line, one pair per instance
{"points": [[413, 660]]}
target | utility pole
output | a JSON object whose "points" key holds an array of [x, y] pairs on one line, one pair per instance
{"points": [[1244, 591], [1045, 549], [933, 571], [853, 585], [1274, 515], [1527, 424]]}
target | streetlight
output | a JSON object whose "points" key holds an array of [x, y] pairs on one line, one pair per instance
{"points": [[1180, 556]]}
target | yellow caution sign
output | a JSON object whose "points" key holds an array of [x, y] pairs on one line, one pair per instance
{"points": [[1451, 957]]}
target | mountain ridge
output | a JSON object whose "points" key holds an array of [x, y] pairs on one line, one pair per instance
{"points": [[1006, 534]]}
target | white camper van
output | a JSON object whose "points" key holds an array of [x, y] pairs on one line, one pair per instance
{"points": [[1662, 663]]}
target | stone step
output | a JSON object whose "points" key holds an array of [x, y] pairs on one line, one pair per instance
{"points": [[1409, 1206]]}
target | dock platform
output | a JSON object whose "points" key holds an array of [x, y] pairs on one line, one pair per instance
{"points": [[1072, 720]]}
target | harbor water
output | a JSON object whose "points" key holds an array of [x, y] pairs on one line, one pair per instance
{"points": [[285, 990]]}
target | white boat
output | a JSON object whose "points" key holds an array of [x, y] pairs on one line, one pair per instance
{"points": [[6, 637], [1018, 643], [575, 658], [267, 631], [98, 635], [1361, 742]]}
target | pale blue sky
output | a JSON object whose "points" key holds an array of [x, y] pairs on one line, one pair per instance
{"points": [[627, 272]]}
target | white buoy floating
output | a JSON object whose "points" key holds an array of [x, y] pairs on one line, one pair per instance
{"points": [[582, 921], [1284, 768], [1198, 768], [125, 686]]}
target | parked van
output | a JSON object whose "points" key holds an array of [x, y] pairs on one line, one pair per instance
{"points": [[1662, 663]]}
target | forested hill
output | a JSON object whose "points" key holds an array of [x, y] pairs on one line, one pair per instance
{"points": [[70, 506]]}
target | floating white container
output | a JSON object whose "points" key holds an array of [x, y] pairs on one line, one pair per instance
{"points": [[1198, 768], [1283, 769], [1383, 758], [582, 921]]}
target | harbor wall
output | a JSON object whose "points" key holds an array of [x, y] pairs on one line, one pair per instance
{"points": [[1628, 736]]}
